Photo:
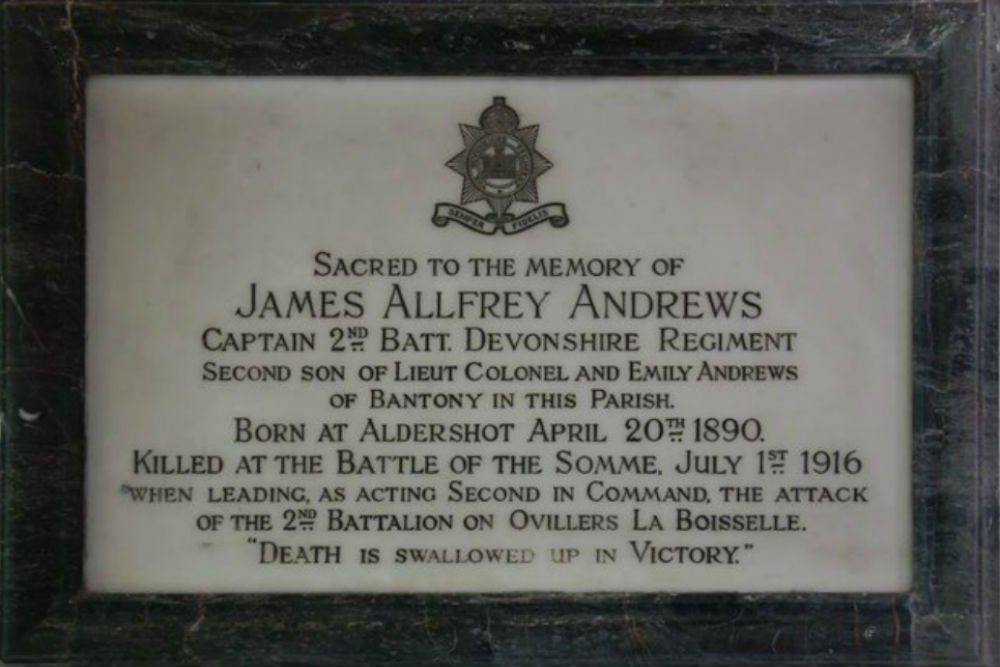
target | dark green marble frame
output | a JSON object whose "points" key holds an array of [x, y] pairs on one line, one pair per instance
{"points": [[949, 48]]}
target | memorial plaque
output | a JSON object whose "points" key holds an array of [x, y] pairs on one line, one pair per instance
{"points": [[531, 333], [492, 335]]}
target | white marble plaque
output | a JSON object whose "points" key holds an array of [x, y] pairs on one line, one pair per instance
{"points": [[456, 335]]}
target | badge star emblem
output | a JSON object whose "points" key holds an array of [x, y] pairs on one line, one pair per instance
{"points": [[500, 163]]}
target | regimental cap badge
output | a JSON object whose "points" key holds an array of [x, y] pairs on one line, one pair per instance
{"points": [[500, 165]]}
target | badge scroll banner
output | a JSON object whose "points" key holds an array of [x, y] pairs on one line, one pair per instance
{"points": [[555, 214]]}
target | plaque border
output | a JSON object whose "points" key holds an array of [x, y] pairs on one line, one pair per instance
{"points": [[948, 47]]}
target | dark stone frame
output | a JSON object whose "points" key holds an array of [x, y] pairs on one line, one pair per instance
{"points": [[948, 47]]}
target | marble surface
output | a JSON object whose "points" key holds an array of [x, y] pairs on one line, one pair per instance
{"points": [[795, 189]]}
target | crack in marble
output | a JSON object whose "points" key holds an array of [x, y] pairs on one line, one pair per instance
{"points": [[75, 59], [21, 314], [193, 628], [27, 166]]}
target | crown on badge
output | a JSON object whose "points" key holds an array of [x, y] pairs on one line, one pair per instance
{"points": [[499, 117]]}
